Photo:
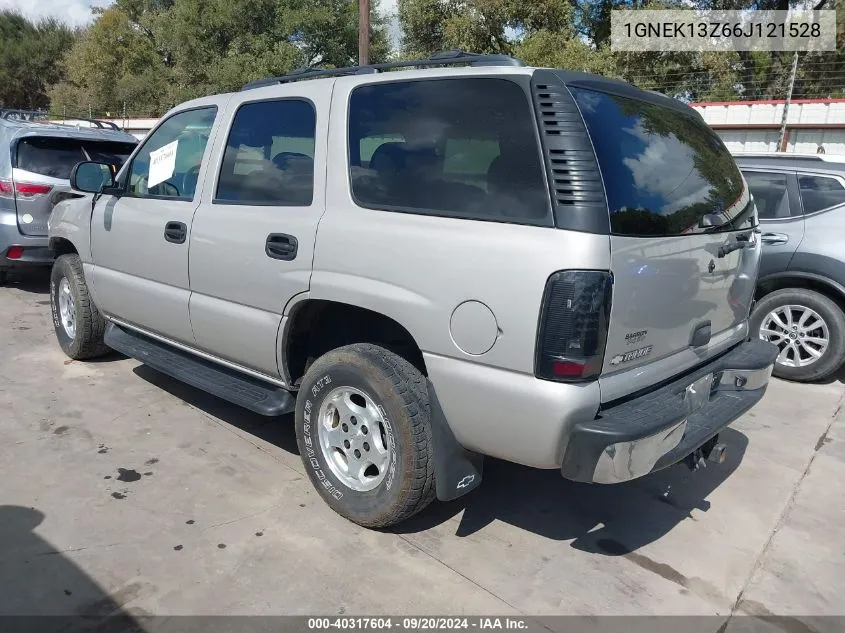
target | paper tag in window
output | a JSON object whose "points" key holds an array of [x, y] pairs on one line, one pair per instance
{"points": [[162, 163]]}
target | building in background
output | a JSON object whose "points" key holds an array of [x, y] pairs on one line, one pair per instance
{"points": [[754, 126]]}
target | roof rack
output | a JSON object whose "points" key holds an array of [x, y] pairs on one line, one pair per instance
{"points": [[32, 116], [442, 58]]}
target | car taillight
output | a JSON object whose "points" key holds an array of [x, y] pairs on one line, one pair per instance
{"points": [[31, 190], [573, 325], [10, 189]]}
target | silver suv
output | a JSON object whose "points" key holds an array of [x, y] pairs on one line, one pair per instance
{"points": [[35, 163], [801, 288], [430, 266]]}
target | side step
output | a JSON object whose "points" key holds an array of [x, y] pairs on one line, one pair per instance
{"points": [[250, 393]]}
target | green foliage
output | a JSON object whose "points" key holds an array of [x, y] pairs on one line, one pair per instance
{"points": [[153, 54], [29, 54], [575, 34]]}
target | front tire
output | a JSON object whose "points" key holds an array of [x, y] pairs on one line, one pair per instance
{"points": [[808, 328], [79, 325], [363, 430]]}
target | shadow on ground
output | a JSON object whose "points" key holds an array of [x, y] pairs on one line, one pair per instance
{"points": [[609, 520], [41, 590], [35, 280]]}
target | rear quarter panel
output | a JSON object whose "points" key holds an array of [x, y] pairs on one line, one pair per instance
{"points": [[822, 251], [417, 269]]}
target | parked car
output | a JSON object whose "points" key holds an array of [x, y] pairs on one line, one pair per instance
{"points": [[36, 158], [429, 266], [801, 289]]}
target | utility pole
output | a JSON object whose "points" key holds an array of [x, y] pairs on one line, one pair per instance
{"points": [[363, 32], [783, 141]]}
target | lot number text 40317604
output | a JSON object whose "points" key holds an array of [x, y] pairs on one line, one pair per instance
{"points": [[427, 623]]}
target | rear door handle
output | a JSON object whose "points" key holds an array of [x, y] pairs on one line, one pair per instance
{"points": [[774, 238], [176, 232], [281, 246]]}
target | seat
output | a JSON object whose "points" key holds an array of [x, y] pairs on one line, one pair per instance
{"points": [[515, 188]]}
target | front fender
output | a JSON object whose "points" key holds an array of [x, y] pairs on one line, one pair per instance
{"points": [[71, 220]]}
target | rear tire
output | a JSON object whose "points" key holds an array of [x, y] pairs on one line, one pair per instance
{"points": [[363, 430], [787, 307], [79, 325], [3, 277]]}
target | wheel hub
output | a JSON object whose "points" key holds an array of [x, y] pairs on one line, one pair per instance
{"points": [[67, 308], [353, 438], [801, 334]]}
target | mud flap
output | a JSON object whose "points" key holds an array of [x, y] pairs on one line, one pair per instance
{"points": [[457, 471]]}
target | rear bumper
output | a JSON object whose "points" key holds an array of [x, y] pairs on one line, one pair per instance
{"points": [[36, 249], [660, 428]]}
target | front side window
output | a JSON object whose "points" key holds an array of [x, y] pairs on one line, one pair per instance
{"points": [[464, 148], [770, 194], [269, 157], [820, 192], [168, 164], [665, 171]]}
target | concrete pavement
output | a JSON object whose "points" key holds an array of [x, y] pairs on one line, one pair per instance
{"points": [[125, 491]]}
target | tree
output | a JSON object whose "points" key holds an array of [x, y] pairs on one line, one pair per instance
{"points": [[153, 54], [29, 54]]}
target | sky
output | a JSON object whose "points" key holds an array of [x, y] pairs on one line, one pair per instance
{"points": [[78, 12]]}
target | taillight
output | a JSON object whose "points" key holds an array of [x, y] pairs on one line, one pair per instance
{"points": [[10, 189], [573, 325], [31, 190]]}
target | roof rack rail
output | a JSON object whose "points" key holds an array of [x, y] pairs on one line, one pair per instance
{"points": [[442, 58], [32, 116]]}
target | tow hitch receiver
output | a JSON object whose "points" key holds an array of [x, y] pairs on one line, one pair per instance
{"points": [[710, 451]]}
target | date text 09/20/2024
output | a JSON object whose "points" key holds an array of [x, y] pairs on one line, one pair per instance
{"points": [[416, 623]]}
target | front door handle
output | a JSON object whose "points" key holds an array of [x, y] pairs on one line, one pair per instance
{"points": [[281, 246], [774, 238], [176, 232]]}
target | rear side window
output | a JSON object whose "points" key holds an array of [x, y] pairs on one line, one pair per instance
{"points": [[820, 192], [770, 194], [464, 148], [56, 157], [269, 157], [665, 172]]}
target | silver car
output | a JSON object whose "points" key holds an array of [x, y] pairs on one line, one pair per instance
{"points": [[428, 267], [35, 163]]}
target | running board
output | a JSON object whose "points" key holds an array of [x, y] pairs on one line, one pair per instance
{"points": [[229, 384]]}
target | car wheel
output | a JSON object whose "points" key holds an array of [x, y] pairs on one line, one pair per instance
{"points": [[79, 326], [3, 275], [363, 430], [807, 327]]}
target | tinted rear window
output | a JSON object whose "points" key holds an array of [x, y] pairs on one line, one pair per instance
{"points": [[665, 172], [56, 157], [463, 148]]}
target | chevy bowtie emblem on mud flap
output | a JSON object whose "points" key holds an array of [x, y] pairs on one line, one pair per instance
{"points": [[711, 266], [466, 481]]}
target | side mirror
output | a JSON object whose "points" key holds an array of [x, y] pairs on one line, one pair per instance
{"points": [[91, 177]]}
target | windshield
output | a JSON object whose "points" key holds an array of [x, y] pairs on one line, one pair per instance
{"points": [[665, 171]]}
